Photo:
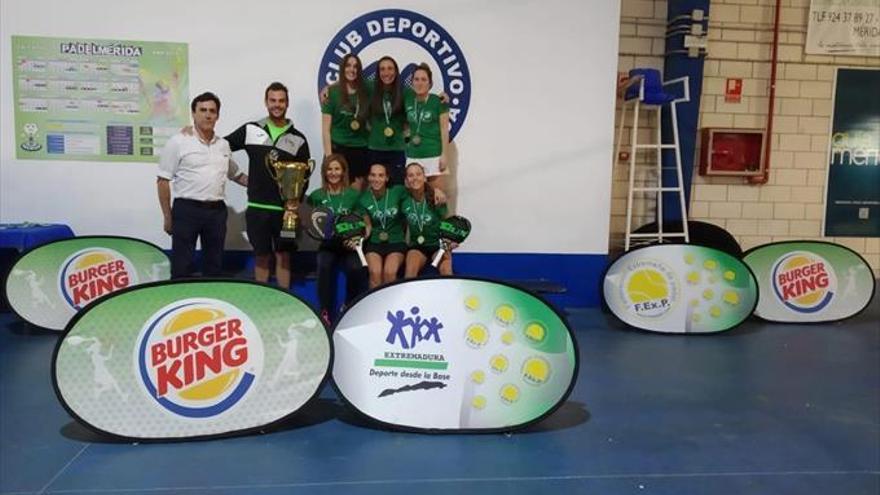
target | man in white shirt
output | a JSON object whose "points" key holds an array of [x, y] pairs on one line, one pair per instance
{"points": [[197, 166]]}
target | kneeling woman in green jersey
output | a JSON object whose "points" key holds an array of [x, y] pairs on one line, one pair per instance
{"points": [[336, 195], [385, 245], [423, 216]]}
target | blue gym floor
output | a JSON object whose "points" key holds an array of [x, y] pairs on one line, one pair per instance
{"points": [[777, 409]]}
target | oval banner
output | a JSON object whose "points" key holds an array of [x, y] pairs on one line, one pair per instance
{"points": [[810, 281], [190, 359], [453, 354], [680, 288], [51, 282]]}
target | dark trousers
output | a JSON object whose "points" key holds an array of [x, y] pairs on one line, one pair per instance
{"points": [[191, 220], [396, 162], [331, 255]]}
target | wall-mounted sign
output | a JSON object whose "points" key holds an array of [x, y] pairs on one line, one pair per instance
{"points": [[843, 27], [680, 288], [190, 359], [453, 354], [733, 91], [809, 281], [51, 282], [852, 203], [97, 100]]}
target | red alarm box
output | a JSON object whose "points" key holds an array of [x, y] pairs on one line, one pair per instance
{"points": [[732, 152]]}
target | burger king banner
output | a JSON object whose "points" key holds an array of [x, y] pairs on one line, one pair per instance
{"points": [[680, 288], [809, 281], [453, 354], [190, 359], [51, 282]]}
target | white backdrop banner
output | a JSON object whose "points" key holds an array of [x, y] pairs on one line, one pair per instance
{"points": [[531, 85]]}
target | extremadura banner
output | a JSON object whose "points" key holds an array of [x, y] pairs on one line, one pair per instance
{"points": [[453, 354]]}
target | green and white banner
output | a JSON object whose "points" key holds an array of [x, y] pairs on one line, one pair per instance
{"points": [[190, 359], [97, 100], [680, 288], [51, 282], [453, 354], [810, 281]]}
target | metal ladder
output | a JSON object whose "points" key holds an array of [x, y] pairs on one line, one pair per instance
{"points": [[659, 146]]}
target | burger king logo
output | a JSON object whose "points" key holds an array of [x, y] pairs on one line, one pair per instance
{"points": [[649, 289], [198, 358], [803, 282], [92, 273]]}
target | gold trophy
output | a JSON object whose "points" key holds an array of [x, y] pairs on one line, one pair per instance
{"points": [[291, 178]]}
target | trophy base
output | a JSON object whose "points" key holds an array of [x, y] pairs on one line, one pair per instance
{"points": [[288, 234]]}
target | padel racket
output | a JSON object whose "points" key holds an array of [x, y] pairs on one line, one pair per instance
{"points": [[321, 224], [454, 229], [352, 227]]}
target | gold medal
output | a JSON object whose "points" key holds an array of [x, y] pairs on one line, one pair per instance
{"points": [[355, 125], [416, 140], [389, 132], [420, 239], [383, 236]]}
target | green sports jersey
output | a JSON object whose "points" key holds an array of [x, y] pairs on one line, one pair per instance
{"points": [[341, 131], [378, 123], [423, 118], [275, 131], [423, 221], [385, 213], [341, 203]]}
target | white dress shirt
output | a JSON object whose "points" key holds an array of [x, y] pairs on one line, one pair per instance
{"points": [[197, 170]]}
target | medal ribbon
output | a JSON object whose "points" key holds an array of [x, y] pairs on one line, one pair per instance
{"points": [[419, 215], [419, 113], [381, 218], [386, 108], [357, 105]]}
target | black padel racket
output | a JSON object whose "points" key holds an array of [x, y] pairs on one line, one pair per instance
{"points": [[352, 227], [454, 229]]}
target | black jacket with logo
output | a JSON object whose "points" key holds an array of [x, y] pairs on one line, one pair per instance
{"points": [[254, 138]]}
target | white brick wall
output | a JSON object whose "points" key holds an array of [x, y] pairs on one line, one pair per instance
{"points": [[791, 204]]}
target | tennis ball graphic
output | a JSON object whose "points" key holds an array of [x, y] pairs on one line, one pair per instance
{"points": [[536, 371], [476, 335], [535, 332], [647, 285], [509, 393], [505, 314], [499, 363]]}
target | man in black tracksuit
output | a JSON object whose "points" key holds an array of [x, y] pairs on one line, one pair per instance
{"points": [[265, 205]]}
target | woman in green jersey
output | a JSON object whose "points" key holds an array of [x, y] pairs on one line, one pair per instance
{"points": [[423, 216], [387, 120], [385, 245], [335, 195], [344, 120], [428, 120]]}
